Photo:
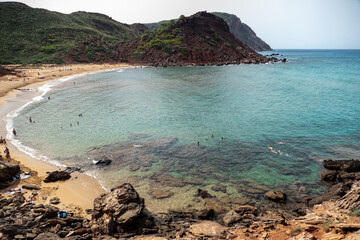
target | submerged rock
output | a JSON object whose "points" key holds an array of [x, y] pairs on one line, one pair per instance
{"points": [[203, 194], [276, 196], [102, 161], [160, 194], [57, 176]]}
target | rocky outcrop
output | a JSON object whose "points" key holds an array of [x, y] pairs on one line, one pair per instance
{"points": [[243, 32], [201, 39], [117, 212], [8, 171], [57, 176], [341, 175], [351, 200]]}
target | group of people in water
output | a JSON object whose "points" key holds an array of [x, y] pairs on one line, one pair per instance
{"points": [[212, 136]]}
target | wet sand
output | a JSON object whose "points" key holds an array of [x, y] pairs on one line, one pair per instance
{"points": [[77, 193]]}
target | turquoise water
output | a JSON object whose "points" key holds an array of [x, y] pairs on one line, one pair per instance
{"points": [[149, 120]]}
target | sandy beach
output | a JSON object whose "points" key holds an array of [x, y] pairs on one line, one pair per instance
{"points": [[75, 194]]}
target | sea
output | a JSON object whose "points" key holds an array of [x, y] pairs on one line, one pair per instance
{"points": [[235, 131]]}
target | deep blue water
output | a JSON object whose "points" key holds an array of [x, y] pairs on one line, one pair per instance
{"points": [[149, 120]]}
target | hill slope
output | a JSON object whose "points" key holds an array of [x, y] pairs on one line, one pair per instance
{"points": [[30, 35], [239, 29], [201, 39], [243, 32]]}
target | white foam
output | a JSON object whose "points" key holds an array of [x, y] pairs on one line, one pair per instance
{"points": [[9, 119]]}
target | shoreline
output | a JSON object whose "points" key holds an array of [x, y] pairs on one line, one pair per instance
{"points": [[77, 193]]}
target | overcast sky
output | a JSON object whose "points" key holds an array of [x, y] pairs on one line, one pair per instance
{"points": [[284, 24]]}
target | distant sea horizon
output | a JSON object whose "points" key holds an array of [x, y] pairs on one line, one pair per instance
{"points": [[236, 131]]}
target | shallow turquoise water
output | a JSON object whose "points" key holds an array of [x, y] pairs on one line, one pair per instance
{"points": [[311, 103]]}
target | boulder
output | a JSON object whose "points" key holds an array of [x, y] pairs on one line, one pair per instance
{"points": [[102, 161], [55, 200], [231, 217], [207, 229], [57, 176], [246, 209], [31, 187], [8, 171], [276, 196], [116, 211]]}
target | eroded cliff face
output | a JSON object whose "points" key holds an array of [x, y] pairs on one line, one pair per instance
{"points": [[243, 32], [201, 39]]}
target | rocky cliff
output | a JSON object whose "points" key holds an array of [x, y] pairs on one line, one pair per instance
{"points": [[201, 39], [243, 32]]}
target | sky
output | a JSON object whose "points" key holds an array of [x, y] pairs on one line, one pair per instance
{"points": [[283, 24]]}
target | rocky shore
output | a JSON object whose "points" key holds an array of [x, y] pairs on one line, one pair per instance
{"points": [[122, 213]]}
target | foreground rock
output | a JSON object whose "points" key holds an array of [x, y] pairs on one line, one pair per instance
{"points": [[207, 229], [276, 196], [8, 171], [341, 175], [121, 210], [57, 176]]}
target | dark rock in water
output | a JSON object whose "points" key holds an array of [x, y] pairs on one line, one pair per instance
{"points": [[102, 161], [31, 187], [168, 180], [8, 171], [203, 194], [117, 211], [329, 176], [345, 165], [231, 217], [160, 194], [134, 167], [73, 169], [57, 176], [352, 166], [332, 164], [276, 196], [219, 188], [138, 136]]}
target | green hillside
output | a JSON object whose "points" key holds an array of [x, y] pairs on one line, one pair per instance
{"points": [[240, 30], [30, 35]]}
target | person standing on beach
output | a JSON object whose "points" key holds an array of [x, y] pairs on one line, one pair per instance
{"points": [[7, 152]]}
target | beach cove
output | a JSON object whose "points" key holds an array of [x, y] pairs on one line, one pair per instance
{"points": [[174, 129], [78, 193]]}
